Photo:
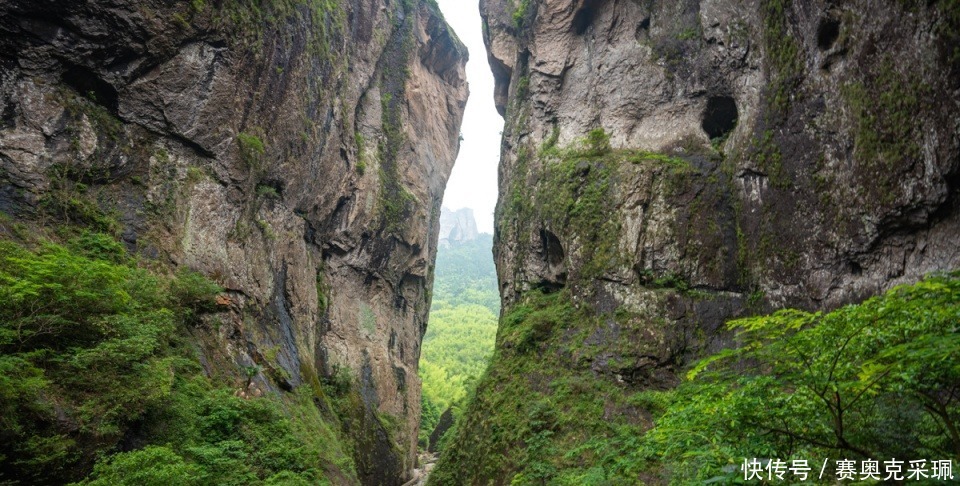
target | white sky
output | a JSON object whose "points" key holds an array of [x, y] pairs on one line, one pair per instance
{"points": [[473, 183]]}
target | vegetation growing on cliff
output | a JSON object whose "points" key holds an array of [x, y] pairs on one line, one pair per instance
{"points": [[396, 203], [876, 380], [575, 195], [94, 361], [785, 54], [539, 415]]}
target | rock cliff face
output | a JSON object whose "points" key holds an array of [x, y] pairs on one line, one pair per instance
{"points": [[294, 151], [667, 166], [457, 226]]}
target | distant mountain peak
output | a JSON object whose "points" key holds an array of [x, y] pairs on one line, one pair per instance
{"points": [[457, 227]]}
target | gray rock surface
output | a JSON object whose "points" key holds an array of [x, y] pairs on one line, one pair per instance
{"points": [[295, 154], [832, 173], [457, 226]]}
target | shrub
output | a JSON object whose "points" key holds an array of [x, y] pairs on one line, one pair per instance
{"points": [[89, 356], [597, 143], [82, 342], [867, 380], [150, 466], [268, 192], [251, 150], [193, 291]]}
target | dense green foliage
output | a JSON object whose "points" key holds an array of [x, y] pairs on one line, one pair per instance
{"points": [[94, 360], [875, 380], [536, 416], [465, 274], [462, 328]]}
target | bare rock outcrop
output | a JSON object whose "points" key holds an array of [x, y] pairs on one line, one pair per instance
{"points": [[295, 152]]}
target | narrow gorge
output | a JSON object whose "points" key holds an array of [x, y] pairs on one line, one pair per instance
{"points": [[727, 236]]}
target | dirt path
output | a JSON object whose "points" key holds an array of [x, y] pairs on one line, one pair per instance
{"points": [[420, 475]]}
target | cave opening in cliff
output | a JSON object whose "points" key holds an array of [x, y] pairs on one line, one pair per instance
{"points": [[92, 86], [720, 116], [584, 17], [827, 33]]}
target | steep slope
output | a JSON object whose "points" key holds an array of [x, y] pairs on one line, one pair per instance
{"points": [[667, 166], [293, 151]]}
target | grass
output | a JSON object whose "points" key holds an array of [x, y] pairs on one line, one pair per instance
{"points": [[252, 150], [368, 320]]}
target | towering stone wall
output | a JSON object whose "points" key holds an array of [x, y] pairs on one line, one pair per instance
{"points": [[667, 166], [294, 151]]}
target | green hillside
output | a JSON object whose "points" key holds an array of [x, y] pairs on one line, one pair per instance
{"points": [[97, 373], [462, 328]]}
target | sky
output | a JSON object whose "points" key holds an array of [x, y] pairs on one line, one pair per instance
{"points": [[473, 183]]}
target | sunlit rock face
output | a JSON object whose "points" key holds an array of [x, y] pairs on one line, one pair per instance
{"points": [[762, 154], [296, 154]]}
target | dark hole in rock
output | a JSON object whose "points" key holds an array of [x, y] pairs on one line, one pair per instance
{"points": [[401, 376], [643, 29], [549, 287], [8, 114], [827, 33], [501, 77], [720, 117], [551, 249], [856, 269], [583, 18], [91, 86]]}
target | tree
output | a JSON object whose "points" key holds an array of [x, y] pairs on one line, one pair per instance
{"points": [[878, 379]]}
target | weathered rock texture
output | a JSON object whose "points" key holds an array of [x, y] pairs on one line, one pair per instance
{"points": [[457, 226], [296, 152], [765, 154]]}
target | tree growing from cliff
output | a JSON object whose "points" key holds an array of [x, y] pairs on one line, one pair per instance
{"points": [[875, 380]]}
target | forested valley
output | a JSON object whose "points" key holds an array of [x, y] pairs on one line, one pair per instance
{"points": [[462, 329]]}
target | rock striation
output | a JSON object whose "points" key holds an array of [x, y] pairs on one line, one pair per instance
{"points": [[294, 151], [668, 166]]}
